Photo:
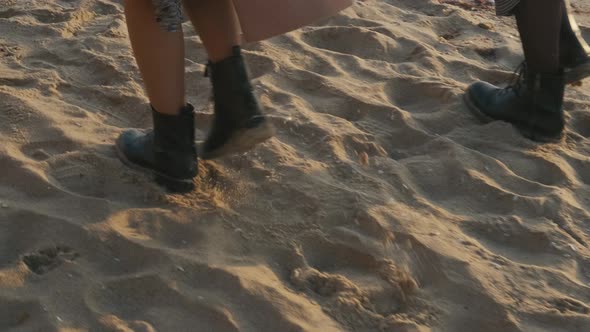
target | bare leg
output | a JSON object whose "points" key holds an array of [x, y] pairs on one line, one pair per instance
{"points": [[238, 124], [217, 24], [159, 55]]}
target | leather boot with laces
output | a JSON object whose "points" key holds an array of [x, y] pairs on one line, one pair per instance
{"points": [[533, 103]]}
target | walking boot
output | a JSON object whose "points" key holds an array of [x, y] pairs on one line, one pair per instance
{"points": [[238, 123], [168, 150], [533, 103]]}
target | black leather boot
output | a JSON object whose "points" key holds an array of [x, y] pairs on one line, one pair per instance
{"points": [[238, 124], [533, 104], [575, 52], [168, 150]]}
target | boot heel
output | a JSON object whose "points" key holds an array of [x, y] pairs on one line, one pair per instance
{"points": [[173, 185]]}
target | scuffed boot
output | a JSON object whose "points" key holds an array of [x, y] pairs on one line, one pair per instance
{"points": [[168, 150]]}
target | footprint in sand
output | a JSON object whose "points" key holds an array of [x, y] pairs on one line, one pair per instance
{"points": [[357, 283], [45, 260]]}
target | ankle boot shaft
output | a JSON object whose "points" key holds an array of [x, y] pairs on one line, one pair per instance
{"points": [[175, 153], [232, 90], [231, 71], [545, 93], [174, 132]]}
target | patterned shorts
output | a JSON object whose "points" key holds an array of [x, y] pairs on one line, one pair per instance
{"points": [[168, 14], [506, 7]]}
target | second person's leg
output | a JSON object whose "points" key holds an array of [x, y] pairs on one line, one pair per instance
{"points": [[539, 25], [534, 104]]}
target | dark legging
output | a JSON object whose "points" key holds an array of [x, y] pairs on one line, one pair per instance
{"points": [[539, 24]]}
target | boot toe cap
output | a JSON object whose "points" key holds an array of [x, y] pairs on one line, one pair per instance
{"points": [[130, 135], [480, 92], [133, 146]]}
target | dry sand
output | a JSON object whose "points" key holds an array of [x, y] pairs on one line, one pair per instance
{"points": [[382, 204]]}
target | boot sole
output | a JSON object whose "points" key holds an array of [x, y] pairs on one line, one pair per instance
{"points": [[241, 142], [171, 184], [526, 132], [578, 73]]}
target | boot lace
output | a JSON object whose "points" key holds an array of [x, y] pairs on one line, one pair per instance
{"points": [[517, 81]]}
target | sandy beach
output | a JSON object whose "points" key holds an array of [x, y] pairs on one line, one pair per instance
{"points": [[382, 204]]}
